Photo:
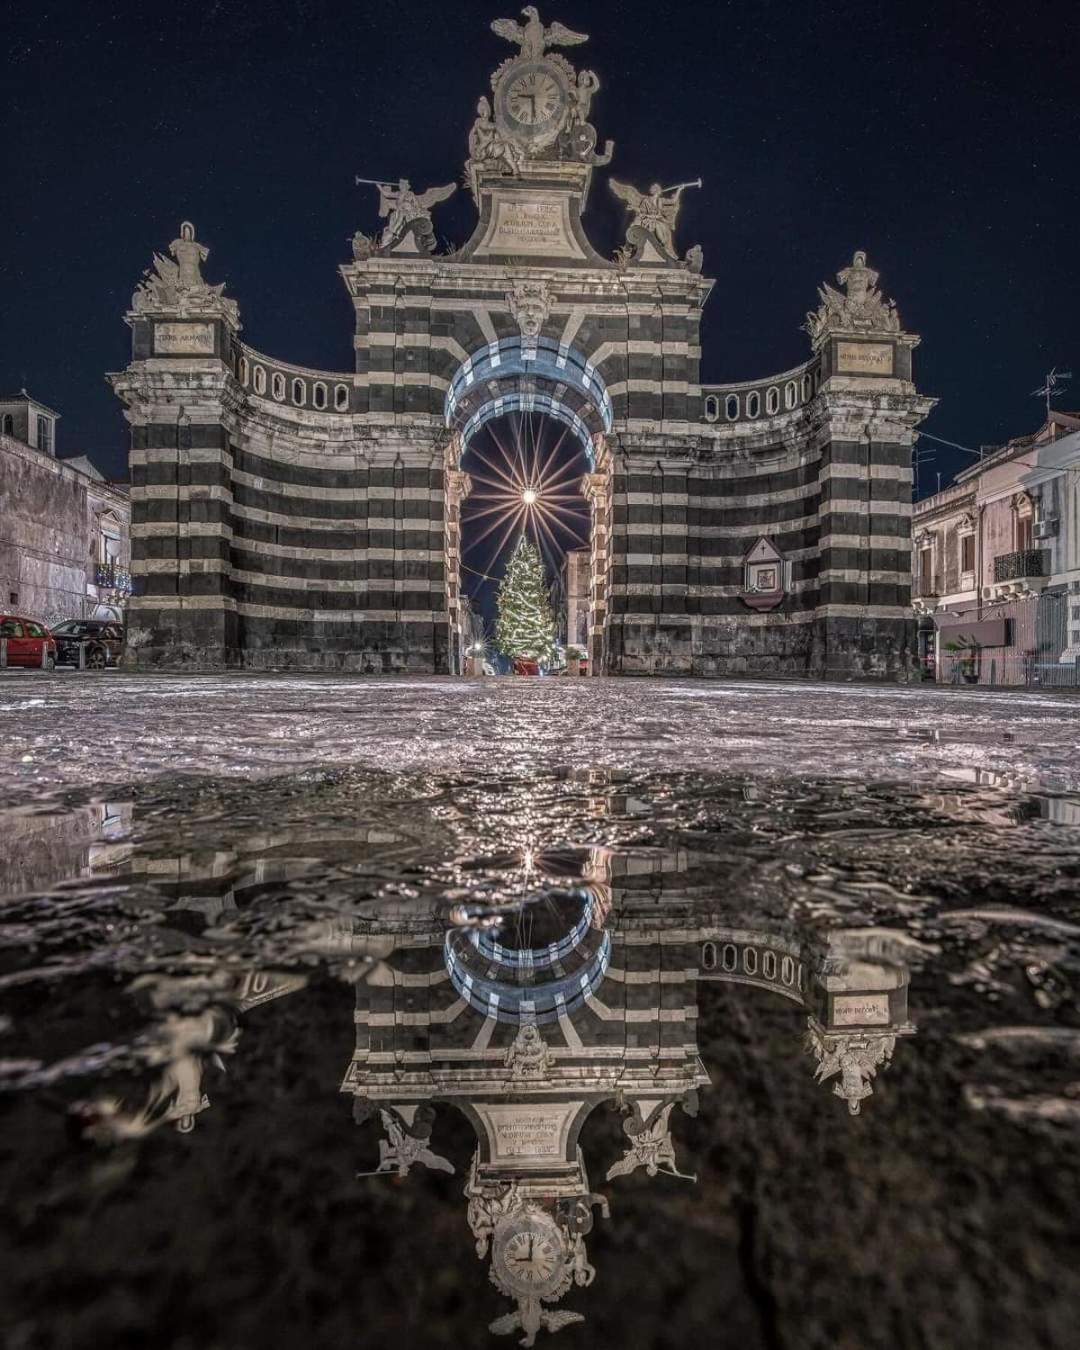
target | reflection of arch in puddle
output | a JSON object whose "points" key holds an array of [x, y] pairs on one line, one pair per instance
{"points": [[531, 984]]}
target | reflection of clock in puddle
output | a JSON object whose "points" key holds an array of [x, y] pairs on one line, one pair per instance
{"points": [[529, 1254]]}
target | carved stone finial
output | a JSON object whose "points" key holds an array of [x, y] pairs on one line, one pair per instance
{"points": [[860, 309], [179, 286], [530, 304]]}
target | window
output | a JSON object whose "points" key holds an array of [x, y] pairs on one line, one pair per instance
{"points": [[731, 408], [44, 434], [1023, 533], [13, 597], [11, 628], [926, 570], [243, 370], [260, 380], [318, 395], [772, 400], [967, 553], [8, 425], [805, 387], [35, 630], [298, 393], [712, 408], [277, 385], [791, 394], [753, 404], [341, 397]]}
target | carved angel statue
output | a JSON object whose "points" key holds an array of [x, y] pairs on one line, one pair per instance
{"points": [[408, 212], [407, 1145], [533, 38], [531, 1318], [651, 1145], [655, 214], [861, 308], [856, 1058]]}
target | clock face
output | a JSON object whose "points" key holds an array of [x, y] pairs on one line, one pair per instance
{"points": [[533, 98], [529, 1254], [531, 1257]]}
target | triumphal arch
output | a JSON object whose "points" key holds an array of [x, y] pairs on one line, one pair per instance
{"points": [[290, 517]]}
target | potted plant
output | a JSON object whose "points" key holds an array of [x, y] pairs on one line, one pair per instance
{"points": [[574, 657], [967, 652]]}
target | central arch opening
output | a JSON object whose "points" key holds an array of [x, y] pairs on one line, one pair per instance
{"points": [[526, 470], [531, 419]]}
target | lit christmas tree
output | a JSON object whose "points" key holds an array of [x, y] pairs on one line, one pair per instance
{"points": [[525, 625]]}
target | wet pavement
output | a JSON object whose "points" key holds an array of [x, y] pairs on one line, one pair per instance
{"points": [[478, 1012]]}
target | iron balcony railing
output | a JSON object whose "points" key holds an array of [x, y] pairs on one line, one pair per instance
{"points": [[928, 586], [113, 577], [1028, 562]]}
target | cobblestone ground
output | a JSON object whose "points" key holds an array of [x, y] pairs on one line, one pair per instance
{"points": [[70, 730]]}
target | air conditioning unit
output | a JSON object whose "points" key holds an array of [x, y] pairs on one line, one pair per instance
{"points": [[1046, 527]]}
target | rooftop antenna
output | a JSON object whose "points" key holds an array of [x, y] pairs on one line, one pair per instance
{"points": [[1053, 387]]}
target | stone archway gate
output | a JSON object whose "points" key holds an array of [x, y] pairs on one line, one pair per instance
{"points": [[290, 517]]}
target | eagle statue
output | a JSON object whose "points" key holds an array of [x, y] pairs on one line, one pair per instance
{"points": [[533, 38]]}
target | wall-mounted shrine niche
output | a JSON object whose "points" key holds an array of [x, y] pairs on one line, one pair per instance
{"points": [[766, 576]]}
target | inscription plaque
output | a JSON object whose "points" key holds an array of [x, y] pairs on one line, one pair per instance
{"points": [[527, 1133], [538, 225], [860, 1010], [864, 358], [184, 339]]}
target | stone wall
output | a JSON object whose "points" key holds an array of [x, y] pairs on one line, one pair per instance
{"points": [[49, 529]]}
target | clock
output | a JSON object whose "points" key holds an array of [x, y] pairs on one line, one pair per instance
{"points": [[532, 100], [529, 1255]]}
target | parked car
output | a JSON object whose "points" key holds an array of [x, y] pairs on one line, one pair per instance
{"points": [[29, 643], [102, 641], [526, 665]]}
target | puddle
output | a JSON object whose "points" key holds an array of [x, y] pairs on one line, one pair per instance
{"points": [[629, 1056]]}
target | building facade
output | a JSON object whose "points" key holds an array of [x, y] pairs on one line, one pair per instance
{"points": [[996, 561], [294, 517], [64, 530]]}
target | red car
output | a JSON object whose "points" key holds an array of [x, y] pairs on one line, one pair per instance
{"points": [[26, 642], [526, 665]]}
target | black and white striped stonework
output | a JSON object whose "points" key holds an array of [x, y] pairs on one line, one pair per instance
{"points": [[296, 518]]}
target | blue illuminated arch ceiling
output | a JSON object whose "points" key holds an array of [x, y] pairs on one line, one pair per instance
{"points": [[523, 375]]}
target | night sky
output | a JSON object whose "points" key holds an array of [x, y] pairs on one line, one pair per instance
{"points": [[942, 138]]}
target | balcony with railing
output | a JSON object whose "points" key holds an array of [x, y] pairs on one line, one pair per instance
{"points": [[111, 577], [1027, 562], [928, 587]]}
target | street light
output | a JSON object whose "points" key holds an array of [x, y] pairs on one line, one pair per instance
{"points": [[529, 497]]}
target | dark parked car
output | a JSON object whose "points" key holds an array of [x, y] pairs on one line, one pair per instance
{"points": [[102, 641], [27, 642]]}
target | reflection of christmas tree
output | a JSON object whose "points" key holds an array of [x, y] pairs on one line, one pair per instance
{"points": [[525, 626]]}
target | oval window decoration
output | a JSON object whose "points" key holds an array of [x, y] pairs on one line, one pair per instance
{"points": [[299, 393], [753, 404], [341, 397], [260, 380], [731, 408], [318, 395], [712, 408], [277, 385], [772, 400]]}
